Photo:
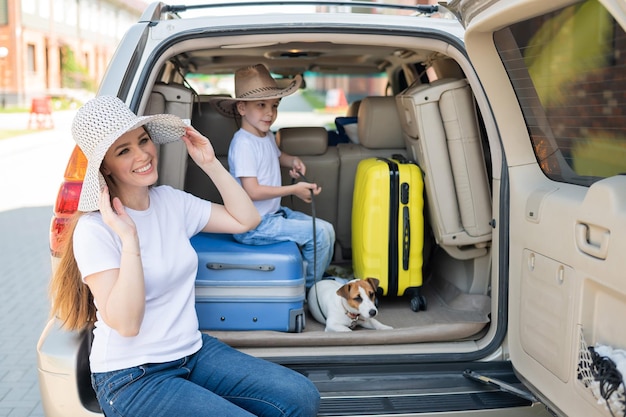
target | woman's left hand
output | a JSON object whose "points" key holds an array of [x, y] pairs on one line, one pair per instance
{"points": [[198, 146]]}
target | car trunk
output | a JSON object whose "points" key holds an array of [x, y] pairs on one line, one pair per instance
{"points": [[458, 227]]}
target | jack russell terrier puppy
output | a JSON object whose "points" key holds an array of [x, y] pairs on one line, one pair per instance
{"points": [[343, 306]]}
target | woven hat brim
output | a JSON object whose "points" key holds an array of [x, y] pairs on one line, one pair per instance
{"points": [[162, 128], [226, 105]]}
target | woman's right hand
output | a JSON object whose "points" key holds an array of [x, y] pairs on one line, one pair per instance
{"points": [[115, 216]]}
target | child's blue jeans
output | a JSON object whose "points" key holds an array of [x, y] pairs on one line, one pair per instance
{"points": [[290, 225], [215, 381]]}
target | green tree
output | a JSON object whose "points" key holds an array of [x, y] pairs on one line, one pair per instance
{"points": [[73, 74]]}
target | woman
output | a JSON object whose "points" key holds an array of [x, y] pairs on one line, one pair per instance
{"points": [[129, 270]]}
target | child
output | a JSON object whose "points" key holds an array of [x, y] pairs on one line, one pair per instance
{"points": [[255, 160]]}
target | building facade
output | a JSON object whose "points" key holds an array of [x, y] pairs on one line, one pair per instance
{"points": [[59, 48]]}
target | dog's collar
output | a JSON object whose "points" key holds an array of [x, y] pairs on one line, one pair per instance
{"points": [[354, 318]]}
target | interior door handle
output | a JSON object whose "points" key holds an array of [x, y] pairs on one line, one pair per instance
{"points": [[592, 240]]}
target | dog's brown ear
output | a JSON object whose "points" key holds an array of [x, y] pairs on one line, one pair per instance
{"points": [[373, 282], [344, 291]]}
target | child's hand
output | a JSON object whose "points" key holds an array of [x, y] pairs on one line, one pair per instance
{"points": [[297, 168], [303, 191], [198, 146]]}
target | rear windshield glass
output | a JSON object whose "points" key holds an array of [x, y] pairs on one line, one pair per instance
{"points": [[568, 71], [322, 99]]}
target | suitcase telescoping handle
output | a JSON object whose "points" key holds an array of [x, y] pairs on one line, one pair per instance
{"points": [[406, 225], [406, 237], [259, 267]]}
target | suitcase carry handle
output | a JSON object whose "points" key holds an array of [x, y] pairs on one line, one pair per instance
{"points": [[260, 267], [400, 158]]}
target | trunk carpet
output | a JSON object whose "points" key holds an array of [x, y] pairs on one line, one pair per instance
{"points": [[451, 315]]}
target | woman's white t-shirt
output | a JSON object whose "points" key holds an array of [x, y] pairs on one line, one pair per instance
{"points": [[253, 156], [169, 329]]}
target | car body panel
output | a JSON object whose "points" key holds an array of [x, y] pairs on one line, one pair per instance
{"points": [[566, 295]]}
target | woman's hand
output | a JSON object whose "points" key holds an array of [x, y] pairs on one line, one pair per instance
{"points": [[115, 216], [198, 146]]}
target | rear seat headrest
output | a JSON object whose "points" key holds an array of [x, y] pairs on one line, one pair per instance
{"points": [[301, 141], [379, 124], [353, 109]]}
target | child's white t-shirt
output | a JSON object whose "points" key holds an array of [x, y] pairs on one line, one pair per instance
{"points": [[253, 156], [169, 329]]}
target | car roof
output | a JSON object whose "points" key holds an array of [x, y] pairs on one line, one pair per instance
{"points": [[325, 55]]}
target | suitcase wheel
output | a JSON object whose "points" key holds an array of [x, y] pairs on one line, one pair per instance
{"points": [[418, 302], [299, 323]]}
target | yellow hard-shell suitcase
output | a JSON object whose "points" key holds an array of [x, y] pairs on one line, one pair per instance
{"points": [[388, 226]]}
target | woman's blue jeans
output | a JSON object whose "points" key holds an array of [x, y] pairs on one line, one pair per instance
{"points": [[216, 381], [295, 226]]}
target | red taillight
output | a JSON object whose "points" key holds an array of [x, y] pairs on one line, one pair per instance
{"points": [[67, 198], [56, 229]]}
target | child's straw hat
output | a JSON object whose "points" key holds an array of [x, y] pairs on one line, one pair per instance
{"points": [[254, 83]]}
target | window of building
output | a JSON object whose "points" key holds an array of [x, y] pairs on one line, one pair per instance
{"points": [[86, 13], [29, 6], [30, 58], [44, 9], [58, 10], [4, 12], [71, 13], [567, 69]]}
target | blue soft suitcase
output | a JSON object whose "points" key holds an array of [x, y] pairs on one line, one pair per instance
{"points": [[244, 287]]}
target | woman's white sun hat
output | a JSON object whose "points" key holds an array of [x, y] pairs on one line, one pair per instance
{"points": [[99, 123], [255, 83]]}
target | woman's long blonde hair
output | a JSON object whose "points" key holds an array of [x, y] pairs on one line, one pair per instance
{"points": [[71, 300]]}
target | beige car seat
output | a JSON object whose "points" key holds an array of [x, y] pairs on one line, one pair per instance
{"points": [[322, 167], [178, 100], [441, 130]]}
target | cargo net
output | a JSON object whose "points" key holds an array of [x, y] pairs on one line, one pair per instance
{"points": [[601, 369]]}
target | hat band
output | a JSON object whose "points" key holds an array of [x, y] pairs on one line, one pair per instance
{"points": [[261, 90]]}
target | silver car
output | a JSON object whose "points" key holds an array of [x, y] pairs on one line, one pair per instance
{"points": [[513, 110]]}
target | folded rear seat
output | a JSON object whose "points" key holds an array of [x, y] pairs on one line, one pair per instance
{"points": [[380, 135], [441, 130], [322, 167], [178, 100]]}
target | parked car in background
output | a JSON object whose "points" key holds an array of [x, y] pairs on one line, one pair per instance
{"points": [[514, 111]]}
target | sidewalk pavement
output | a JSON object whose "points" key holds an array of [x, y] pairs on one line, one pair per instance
{"points": [[31, 169]]}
